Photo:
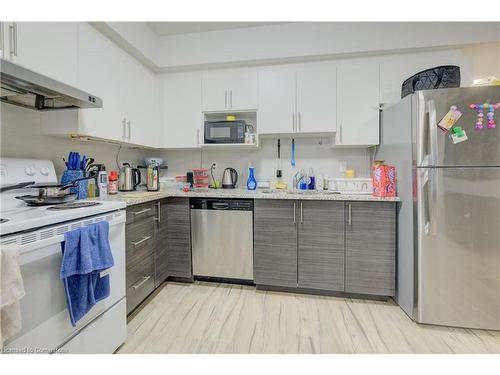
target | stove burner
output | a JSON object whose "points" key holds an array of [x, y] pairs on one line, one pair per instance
{"points": [[3, 220], [69, 206]]}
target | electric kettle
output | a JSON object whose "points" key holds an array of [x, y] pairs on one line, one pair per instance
{"points": [[229, 178], [129, 178]]}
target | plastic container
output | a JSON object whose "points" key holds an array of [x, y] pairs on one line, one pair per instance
{"points": [[200, 179], [350, 185], [180, 181], [113, 182]]}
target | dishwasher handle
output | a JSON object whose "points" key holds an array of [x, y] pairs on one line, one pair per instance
{"points": [[220, 205]]}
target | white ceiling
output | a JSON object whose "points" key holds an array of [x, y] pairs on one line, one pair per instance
{"points": [[175, 28]]}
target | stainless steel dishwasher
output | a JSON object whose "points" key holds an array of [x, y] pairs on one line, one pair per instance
{"points": [[222, 238]]}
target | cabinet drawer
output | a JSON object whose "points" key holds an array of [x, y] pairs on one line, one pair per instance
{"points": [[138, 291], [139, 235], [140, 212]]}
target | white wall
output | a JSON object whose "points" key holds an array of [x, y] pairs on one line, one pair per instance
{"points": [[291, 41], [314, 39], [21, 137]]}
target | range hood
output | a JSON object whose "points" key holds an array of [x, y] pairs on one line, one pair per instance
{"points": [[26, 88]]}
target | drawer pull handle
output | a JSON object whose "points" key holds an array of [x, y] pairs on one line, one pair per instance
{"points": [[141, 283], [142, 211], [141, 241]]}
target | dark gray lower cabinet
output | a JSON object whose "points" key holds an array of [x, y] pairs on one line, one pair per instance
{"points": [[321, 245], [161, 256], [140, 258], [325, 245], [178, 237], [275, 243], [370, 248]]}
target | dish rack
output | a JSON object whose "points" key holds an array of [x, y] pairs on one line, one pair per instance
{"points": [[358, 185]]}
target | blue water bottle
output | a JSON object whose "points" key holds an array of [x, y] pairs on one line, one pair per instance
{"points": [[251, 182]]}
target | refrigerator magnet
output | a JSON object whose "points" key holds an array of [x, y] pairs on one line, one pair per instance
{"points": [[450, 119], [458, 135]]}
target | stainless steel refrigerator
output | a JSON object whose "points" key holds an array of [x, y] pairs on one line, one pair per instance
{"points": [[448, 253]]}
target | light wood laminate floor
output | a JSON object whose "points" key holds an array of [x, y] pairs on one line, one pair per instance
{"points": [[224, 318]]}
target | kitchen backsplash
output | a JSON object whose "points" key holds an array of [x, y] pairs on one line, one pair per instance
{"points": [[22, 138], [313, 153]]}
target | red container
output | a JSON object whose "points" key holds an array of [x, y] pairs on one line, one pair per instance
{"points": [[390, 182], [383, 180]]}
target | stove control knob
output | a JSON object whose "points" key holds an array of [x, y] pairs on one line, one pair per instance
{"points": [[45, 171], [30, 171]]}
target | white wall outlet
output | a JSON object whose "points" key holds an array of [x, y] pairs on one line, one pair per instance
{"points": [[342, 166]]}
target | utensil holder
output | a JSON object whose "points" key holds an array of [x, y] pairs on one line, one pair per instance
{"points": [[81, 188]]}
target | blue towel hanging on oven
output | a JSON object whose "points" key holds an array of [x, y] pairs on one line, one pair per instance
{"points": [[86, 252]]}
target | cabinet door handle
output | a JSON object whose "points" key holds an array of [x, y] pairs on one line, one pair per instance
{"points": [[231, 98], [137, 243], [124, 129], [142, 211], [158, 205], [141, 283], [340, 134], [13, 39], [293, 122], [225, 99], [197, 136], [2, 48], [294, 212], [301, 213], [349, 214], [300, 122], [129, 130]]}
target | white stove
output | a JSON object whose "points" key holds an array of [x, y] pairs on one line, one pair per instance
{"points": [[17, 216], [38, 232]]}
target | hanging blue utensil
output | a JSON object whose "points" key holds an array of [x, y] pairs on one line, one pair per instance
{"points": [[292, 162], [83, 162]]}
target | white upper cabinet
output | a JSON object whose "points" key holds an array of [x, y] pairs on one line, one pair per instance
{"points": [[49, 48], [181, 111], [126, 87], [139, 104], [231, 90], [298, 100], [358, 104], [277, 101], [103, 72], [317, 99]]}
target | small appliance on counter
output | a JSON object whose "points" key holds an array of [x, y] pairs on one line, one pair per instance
{"points": [[229, 178], [129, 178], [357, 185], [153, 167]]}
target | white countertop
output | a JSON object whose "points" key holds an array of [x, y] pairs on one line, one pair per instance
{"points": [[137, 197]]}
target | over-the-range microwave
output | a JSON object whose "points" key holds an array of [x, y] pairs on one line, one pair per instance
{"points": [[225, 131]]}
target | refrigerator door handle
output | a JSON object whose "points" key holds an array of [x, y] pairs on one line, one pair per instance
{"points": [[430, 188], [431, 107]]}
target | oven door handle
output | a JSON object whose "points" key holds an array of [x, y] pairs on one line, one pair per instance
{"points": [[41, 249]]}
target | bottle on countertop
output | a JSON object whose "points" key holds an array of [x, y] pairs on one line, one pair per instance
{"points": [[113, 182], [102, 181], [251, 182], [311, 182], [319, 182]]}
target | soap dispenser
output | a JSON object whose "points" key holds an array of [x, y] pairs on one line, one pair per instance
{"points": [[251, 182]]}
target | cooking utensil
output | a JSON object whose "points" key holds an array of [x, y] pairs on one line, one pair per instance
{"points": [[279, 173], [57, 190], [17, 186], [292, 162], [36, 200], [89, 163]]}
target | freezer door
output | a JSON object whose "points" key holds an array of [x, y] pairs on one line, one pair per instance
{"points": [[458, 247], [434, 146]]}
